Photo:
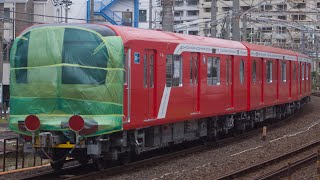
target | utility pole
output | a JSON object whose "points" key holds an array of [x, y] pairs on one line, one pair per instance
{"points": [[67, 3], [1, 55], [150, 14], [317, 60], [66, 13], [302, 42], [206, 29], [228, 27], [213, 18], [91, 11], [235, 21], [244, 28], [167, 21]]}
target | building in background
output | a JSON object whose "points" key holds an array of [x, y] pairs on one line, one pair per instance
{"points": [[133, 13], [284, 24]]}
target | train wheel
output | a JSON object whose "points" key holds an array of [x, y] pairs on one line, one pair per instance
{"points": [[57, 165], [84, 161], [126, 158], [99, 163]]}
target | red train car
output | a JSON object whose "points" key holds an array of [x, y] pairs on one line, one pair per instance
{"points": [[180, 88]]}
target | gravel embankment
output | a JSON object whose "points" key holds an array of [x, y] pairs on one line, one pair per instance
{"points": [[307, 172], [216, 162]]}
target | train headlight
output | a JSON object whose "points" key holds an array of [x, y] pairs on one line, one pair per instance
{"points": [[32, 123], [76, 123]]}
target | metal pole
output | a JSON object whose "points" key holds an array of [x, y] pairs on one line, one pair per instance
{"points": [[317, 61], [167, 21], [66, 11], [302, 42], [4, 155], [17, 152], [22, 159], [91, 11], [213, 18], [150, 14], [235, 21], [206, 29], [34, 159], [244, 28], [1, 54], [228, 28]]}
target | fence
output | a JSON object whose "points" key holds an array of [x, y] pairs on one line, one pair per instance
{"points": [[13, 157]]}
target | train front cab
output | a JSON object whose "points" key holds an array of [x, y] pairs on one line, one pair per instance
{"points": [[66, 86]]}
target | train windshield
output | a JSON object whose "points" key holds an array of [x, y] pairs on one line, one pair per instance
{"points": [[86, 50], [82, 54]]}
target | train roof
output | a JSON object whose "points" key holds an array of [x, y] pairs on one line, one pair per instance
{"points": [[256, 47], [129, 33]]}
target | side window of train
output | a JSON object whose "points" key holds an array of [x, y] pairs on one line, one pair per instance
{"points": [[302, 71], [283, 71], [21, 59], [254, 71], [125, 62], [307, 71], [145, 70], [241, 71], [213, 71], [269, 71], [294, 71], [173, 71]]}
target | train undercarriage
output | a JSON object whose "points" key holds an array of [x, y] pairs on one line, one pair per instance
{"points": [[123, 146]]}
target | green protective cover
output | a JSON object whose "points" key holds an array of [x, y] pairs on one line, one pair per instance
{"points": [[59, 79]]}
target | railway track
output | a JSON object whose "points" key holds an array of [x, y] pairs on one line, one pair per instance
{"points": [[280, 171], [88, 172]]}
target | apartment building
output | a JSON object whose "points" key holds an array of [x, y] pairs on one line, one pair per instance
{"points": [[187, 11], [269, 22]]}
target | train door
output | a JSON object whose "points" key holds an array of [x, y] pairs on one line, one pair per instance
{"points": [[126, 86], [194, 81], [300, 78], [295, 81], [229, 73], [149, 82], [304, 78], [277, 78], [256, 82], [263, 79]]}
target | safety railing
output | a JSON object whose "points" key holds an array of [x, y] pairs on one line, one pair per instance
{"points": [[13, 157]]}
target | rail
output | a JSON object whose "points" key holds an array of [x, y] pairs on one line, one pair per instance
{"points": [[256, 166], [288, 169]]}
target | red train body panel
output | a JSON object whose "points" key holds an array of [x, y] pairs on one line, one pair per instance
{"points": [[236, 91]]}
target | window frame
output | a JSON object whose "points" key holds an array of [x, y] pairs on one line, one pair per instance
{"points": [[302, 71], [307, 71], [174, 58], [214, 80], [242, 72], [294, 71], [145, 72], [283, 71], [269, 71], [144, 17], [254, 71]]}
